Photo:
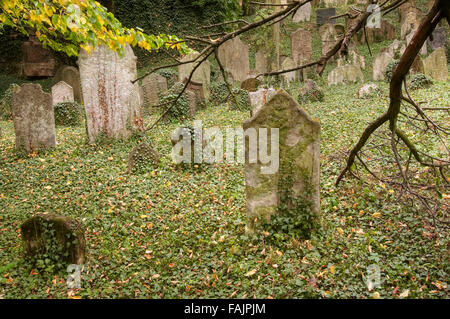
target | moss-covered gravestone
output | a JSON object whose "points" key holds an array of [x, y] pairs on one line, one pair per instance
{"points": [[296, 182], [142, 156], [55, 237]]}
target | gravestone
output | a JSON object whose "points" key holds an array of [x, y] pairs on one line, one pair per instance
{"points": [[380, 63], [435, 65], [201, 75], [34, 121], [197, 89], [410, 23], [288, 77], [62, 92], [385, 32], [423, 49], [192, 100], [396, 49], [250, 85], [112, 102], [345, 74], [303, 14], [142, 156], [322, 16], [369, 90], [261, 62], [328, 36], [153, 85], [259, 98], [301, 46], [71, 76], [44, 230], [233, 55], [37, 61], [417, 65], [298, 171], [437, 39]]}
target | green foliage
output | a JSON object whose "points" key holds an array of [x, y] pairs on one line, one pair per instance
{"points": [[241, 100], [171, 76], [68, 114], [6, 103], [180, 111], [310, 94], [420, 81], [219, 92], [390, 68]]}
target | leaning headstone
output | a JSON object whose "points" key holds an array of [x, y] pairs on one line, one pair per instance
{"points": [[34, 121], [62, 92], [297, 175], [288, 77], [437, 39], [423, 49], [301, 46], [380, 63], [142, 156], [250, 85], [345, 74], [259, 98], [261, 62], [152, 86], [233, 55], [71, 76], [435, 65], [45, 233], [302, 14], [323, 15], [112, 102], [201, 75]]}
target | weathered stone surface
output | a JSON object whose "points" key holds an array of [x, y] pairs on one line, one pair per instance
{"points": [[368, 90], [112, 102], [437, 39], [303, 14], [142, 155], [322, 16], [435, 65], [329, 36], [197, 89], [410, 23], [299, 160], [192, 100], [38, 61], [380, 63], [334, 3], [357, 60], [261, 62], [34, 121], [68, 235], [423, 50], [201, 75], [259, 98], [301, 46], [62, 92], [396, 49], [153, 85], [417, 66], [71, 76], [345, 74], [288, 77], [250, 85], [233, 55]]}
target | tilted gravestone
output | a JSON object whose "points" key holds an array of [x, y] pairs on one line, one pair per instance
{"points": [[112, 102], [345, 74], [323, 15], [34, 121], [380, 63], [62, 92], [201, 75], [435, 65], [233, 55], [71, 76], [302, 14], [152, 86], [297, 178], [423, 49], [301, 46]]}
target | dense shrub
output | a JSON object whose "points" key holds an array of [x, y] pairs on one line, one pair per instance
{"points": [[68, 114], [420, 81], [390, 68], [6, 103], [180, 110]]}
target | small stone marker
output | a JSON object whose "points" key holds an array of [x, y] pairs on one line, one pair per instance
{"points": [[288, 77], [142, 155], [250, 85], [34, 121], [259, 98], [299, 160], [261, 62], [71, 76], [62, 92], [68, 235], [380, 63]]}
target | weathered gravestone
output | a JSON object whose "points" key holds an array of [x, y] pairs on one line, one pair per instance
{"points": [[142, 156], [423, 49], [201, 75], [386, 31], [323, 15], [62, 92], [250, 85], [345, 74], [47, 233], [435, 65], [259, 98], [380, 63], [369, 90], [34, 121], [296, 181], [112, 102], [288, 77], [303, 14], [410, 23], [328, 36], [37, 61], [153, 85], [261, 62], [233, 55], [437, 39], [71, 76], [301, 46]]}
